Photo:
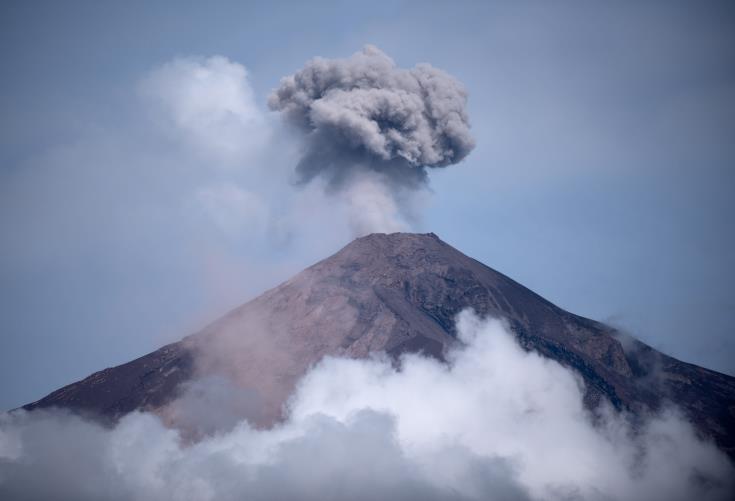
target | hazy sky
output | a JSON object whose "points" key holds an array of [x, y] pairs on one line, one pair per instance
{"points": [[145, 188]]}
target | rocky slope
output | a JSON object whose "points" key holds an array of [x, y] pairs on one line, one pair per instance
{"points": [[397, 293]]}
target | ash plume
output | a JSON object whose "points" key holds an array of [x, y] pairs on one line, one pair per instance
{"points": [[363, 115]]}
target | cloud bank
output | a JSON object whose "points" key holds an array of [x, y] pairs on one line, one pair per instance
{"points": [[494, 423]]}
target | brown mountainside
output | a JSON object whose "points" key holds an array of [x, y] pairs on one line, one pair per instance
{"points": [[397, 293]]}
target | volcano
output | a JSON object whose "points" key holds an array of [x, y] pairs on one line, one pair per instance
{"points": [[396, 294]]}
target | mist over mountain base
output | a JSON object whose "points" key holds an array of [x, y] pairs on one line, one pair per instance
{"points": [[493, 422]]}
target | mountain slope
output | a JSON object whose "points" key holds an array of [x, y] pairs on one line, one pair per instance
{"points": [[397, 293]]}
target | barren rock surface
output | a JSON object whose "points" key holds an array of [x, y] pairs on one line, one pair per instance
{"points": [[398, 293]]}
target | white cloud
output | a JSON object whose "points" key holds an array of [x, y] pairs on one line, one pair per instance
{"points": [[495, 423], [234, 210], [208, 103]]}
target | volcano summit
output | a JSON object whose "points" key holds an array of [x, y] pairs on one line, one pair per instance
{"points": [[397, 293]]}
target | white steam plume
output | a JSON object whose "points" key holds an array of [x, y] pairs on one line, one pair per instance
{"points": [[209, 106]]}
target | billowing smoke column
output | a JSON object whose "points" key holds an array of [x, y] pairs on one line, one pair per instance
{"points": [[363, 112], [363, 117]]}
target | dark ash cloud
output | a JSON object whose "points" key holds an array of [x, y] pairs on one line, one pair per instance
{"points": [[363, 113]]}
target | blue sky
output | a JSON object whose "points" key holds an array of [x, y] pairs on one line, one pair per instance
{"points": [[602, 176]]}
